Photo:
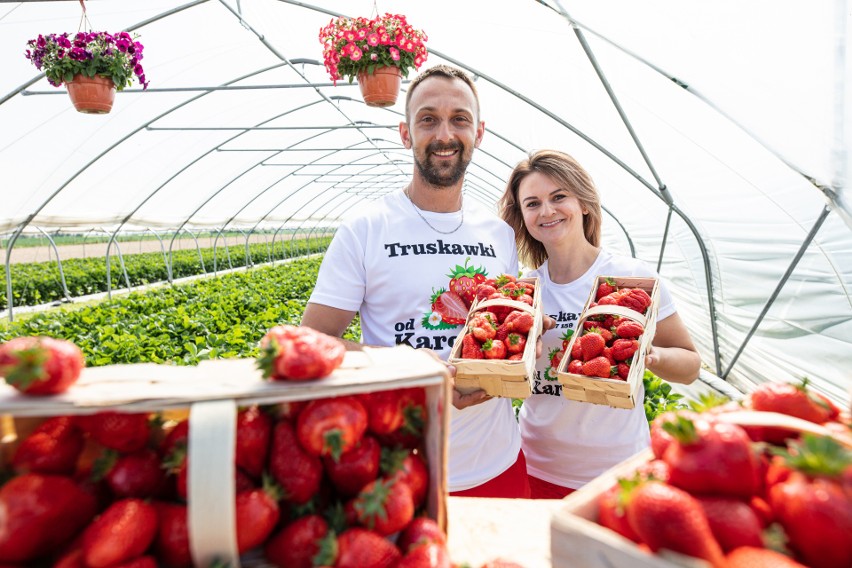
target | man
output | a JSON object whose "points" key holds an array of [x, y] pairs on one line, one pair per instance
{"points": [[394, 265]]}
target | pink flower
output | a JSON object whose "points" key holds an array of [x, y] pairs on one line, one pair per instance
{"points": [[394, 53], [356, 54], [373, 39]]}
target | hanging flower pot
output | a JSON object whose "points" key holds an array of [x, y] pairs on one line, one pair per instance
{"points": [[381, 50], [381, 87], [91, 95], [112, 60]]}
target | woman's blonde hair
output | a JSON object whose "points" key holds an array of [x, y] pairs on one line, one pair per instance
{"points": [[569, 175]]}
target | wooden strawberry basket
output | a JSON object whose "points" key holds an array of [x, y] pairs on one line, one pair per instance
{"points": [[502, 378], [210, 395], [612, 392]]}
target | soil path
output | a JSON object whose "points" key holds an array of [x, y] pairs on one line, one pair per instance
{"points": [[98, 250]]}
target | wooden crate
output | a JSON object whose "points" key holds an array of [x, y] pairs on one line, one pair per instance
{"points": [[612, 392], [502, 378], [578, 541], [210, 395]]}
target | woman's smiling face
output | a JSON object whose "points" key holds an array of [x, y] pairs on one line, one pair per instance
{"points": [[551, 213]]}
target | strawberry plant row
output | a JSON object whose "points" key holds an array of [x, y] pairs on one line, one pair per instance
{"points": [[40, 282], [223, 317]]}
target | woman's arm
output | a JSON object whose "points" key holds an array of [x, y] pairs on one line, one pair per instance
{"points": [[673, 356]]}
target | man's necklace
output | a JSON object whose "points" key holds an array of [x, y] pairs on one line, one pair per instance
{"points": [[417, 210]]}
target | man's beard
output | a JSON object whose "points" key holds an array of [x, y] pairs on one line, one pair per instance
{"points": [[447, 175]]}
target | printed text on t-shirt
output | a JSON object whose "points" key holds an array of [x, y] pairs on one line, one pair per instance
{"points": [[440, 247]]}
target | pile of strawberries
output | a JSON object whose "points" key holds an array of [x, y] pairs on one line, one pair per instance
{"points": [[318, 483], [740, 496], [499, 331], [608, 342]]}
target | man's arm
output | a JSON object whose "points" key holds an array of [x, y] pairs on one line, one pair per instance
{"points": [[331, 321]]}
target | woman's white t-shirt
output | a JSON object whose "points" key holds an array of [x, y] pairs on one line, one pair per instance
{"points": [[565, 442]]}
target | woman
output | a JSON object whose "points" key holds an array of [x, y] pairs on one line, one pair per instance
{"points": [[553, 205]]}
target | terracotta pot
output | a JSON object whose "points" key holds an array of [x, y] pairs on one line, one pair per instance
{"points": [[91, 95], [382, 87]]}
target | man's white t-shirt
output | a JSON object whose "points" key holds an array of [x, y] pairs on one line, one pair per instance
{"points": [[389, 265], [566, 442]]}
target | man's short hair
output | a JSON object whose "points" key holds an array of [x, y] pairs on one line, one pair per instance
{"points": [[446, 71]]}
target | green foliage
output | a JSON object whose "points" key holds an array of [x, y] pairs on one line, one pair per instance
{"points": [[220, 317], [659, 396], [40, 282]]}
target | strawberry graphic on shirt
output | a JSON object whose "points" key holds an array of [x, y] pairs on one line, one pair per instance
{"points": [[448, 311], [465, 279]]}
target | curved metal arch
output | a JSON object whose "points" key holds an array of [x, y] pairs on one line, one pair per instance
{"points": [[59, 263]]}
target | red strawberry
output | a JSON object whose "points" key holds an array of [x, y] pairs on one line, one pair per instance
{"points": [[385, 506], [408, 467], [515, 343], [519, 321], [53, 447], [591, 344], [410, 435], [297, 472], [358, 548], [430, 555], [500, 312], [814, 504], [40, 513], [515, 357], [566, 338], [485, 291], [254, 431], [555, 356], [331, 426], [421, 530], [664, 516], [606, 287], [450, 307], [576, 350], [635, 299], [300, 543], [40, 365], [623, 349], [502, 332], [752, 557], [494, 349], [483, 326], [471, 349], [296, 353], [597, 367], [121, 431], [612, 510], [355, 468], [121, 533], [172, 540], [660, 439], [623, 371], [732, 522], [176, 436], [794, 400], [629, 329], [257, 515], [139, 474], [385, 410], [463, 281], [711, 458], [575, 366]]}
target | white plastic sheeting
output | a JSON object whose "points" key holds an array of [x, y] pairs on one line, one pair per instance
{"points": [[741, 111]]}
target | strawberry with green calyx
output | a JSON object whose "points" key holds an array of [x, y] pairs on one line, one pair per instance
{"points": [[664, 516], [448, 310], [606, 287], [494, 349], [794, 400], [139, 474], [303, 543], [40, 365], [464, 280], [257, 514], [385, 505], [296, 353], [660, 438], [409, 467], [813, 502], [612, 507], [331, 426], [566, 338], [597, 367], [555, 357], [711, 458], [483, 326], [515, 343]]}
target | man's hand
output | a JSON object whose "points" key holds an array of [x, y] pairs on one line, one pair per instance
{"points": [[464, 400]]}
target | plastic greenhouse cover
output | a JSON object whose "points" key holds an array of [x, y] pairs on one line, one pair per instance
{"points": [[741, 114]]}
